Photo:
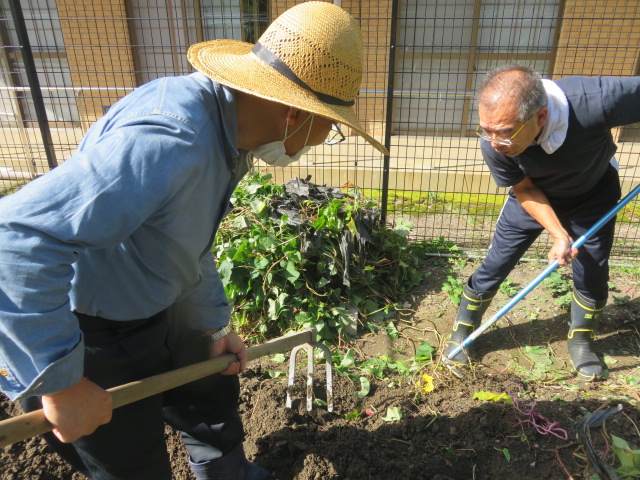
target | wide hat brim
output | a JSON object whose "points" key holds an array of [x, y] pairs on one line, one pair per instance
{"points": [[232, 63]]}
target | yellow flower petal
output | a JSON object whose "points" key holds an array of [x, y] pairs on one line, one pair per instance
{"points": [[428, 384]]}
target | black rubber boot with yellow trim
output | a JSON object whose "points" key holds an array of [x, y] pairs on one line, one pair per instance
{"points": [[473, 304], [585, 318]]}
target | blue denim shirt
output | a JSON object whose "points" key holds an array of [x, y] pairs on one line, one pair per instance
{"points": [[123, 229]]}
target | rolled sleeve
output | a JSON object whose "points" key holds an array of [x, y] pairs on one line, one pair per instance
{"points": [[23, 376], [37, 327]]}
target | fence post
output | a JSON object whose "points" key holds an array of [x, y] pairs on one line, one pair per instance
{"points": [[389, 116], [34, 84]]}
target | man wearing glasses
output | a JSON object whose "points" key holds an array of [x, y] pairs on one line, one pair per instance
{"points": [[551, 142]]}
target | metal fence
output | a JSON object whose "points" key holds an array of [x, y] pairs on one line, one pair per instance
{"points": [[63, 63]]}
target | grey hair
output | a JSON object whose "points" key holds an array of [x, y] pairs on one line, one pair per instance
{"points": [[524, 88]]}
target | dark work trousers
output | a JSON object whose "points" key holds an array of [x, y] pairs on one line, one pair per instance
{"points": [[132, 445], [516, 231]]}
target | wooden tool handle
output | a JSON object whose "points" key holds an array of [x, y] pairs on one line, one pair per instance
{"points": [[34, 423]]}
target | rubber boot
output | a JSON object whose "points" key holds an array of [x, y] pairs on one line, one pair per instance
{"points": [[232, 466], [473, 304], [585, 318]]}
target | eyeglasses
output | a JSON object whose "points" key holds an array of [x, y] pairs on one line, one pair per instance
{"points": [[507, 142], [335, 135]]}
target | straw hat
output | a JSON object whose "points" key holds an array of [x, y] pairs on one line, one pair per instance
{"points": [[310, 58]]}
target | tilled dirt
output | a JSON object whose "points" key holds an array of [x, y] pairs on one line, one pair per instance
{"points": [[443, 434]]}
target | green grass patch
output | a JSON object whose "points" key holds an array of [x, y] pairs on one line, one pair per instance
{"points": [[630, 213], [12, 187], [405, 202], [409, 202]]}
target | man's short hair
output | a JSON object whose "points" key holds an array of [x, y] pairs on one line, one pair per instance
{"points": [[525, 88]]}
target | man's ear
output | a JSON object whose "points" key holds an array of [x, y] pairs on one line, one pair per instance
{"points": [[293, 117], [542, 116]]}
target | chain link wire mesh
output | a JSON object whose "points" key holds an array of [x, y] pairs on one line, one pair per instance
{"points": [[423, 61]]}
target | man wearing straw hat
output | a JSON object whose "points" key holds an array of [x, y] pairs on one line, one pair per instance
{"points": [[106, 271], [551, 142]]}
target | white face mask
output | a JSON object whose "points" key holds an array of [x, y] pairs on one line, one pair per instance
{"points": [[275, 153]]}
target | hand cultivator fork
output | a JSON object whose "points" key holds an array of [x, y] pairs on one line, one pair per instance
{"points": [[292, 367], [34, 423]]}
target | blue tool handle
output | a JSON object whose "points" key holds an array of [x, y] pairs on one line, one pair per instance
{"points": [[551, 267]]}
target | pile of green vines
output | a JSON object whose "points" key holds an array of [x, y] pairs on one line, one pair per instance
{"points": [[291, 262]]}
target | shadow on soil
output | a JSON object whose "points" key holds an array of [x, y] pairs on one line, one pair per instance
{"points": [[485, 442]]}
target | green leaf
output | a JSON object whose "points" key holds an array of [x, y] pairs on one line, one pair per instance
{"points": [[632, 381], [258, 206], [350, 417], [267, 241], [239, 253], [424, 353], [351, 225], [392, 331], [333, 270], [403, 368], [629, 457], [506, 453], [253, 188], [493, 397], [260, 264], [394, 414], [291, 272], [241, 222], [348, 359], [224, 271], [370, 306], [319, 223], [374, 366], [539, 355], [365, 387], [279, 358], [403, 227]]}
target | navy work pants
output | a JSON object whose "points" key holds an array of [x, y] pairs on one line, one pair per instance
{"points": [[516, 231], [132, 445]]}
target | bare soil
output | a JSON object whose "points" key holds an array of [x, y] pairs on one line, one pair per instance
{"points": [[446, 433]]}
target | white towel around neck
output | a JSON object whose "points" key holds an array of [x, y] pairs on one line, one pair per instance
{"points": [[554, 131]]}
